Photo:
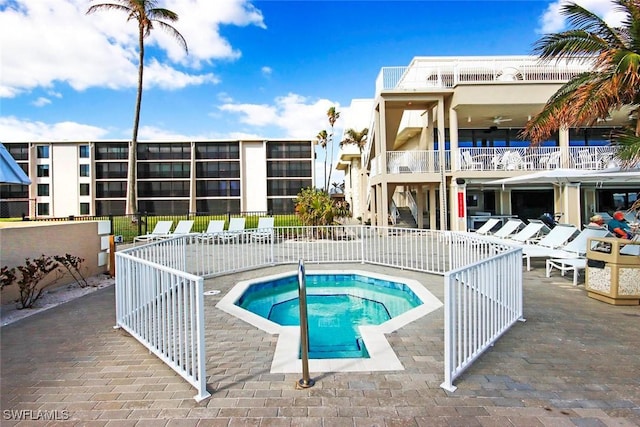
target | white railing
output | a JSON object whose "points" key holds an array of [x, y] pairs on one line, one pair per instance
{"points": [[424, 73], [418, 161], [482, 301], [536, 158], [159, 295], [163, 309]]}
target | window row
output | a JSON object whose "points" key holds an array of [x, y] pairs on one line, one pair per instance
{"points": [[219, 150], [218, 170], [42, 209], [173, 151], [221, 188], [42, 171], [42, 152], [164, 170], [289, 150], [286, 187], [112, 151], [289, 169], [163, 189]]}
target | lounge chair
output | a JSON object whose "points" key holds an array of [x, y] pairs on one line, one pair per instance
{"points": [[510, 227], [161, 229], [577, 248], [215, 227], [264, 230], [486, 228], [530, 233], [233, 233], [182, 229]]}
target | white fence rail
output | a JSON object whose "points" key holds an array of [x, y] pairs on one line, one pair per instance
{"points": [[159, 295], [482, 301], [163, 309]]}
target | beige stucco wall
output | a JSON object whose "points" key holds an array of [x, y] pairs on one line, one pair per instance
{"points": [[21, 240]]}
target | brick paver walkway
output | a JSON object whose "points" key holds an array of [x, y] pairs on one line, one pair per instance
{"points": [[575, 361]]}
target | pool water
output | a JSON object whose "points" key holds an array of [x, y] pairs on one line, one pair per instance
{"points": [[337, 305]]}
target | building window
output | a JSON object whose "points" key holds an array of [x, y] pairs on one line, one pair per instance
{"points": [[84, 170], [84, 189], [42, 151], [84, 208], [288, 150], [42, 171], [110, 170], [111, 151], [84, 151], [110, 189], [218, 150], [43, 190], [43, 208], [218, 170]]}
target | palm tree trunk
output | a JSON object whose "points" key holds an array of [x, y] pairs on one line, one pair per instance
{"points": [[132, 196]]}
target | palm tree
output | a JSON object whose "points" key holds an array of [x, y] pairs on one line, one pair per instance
{"points": [[355, 137], [147, 14], [333, 116], [321, 139], [613, 82]]}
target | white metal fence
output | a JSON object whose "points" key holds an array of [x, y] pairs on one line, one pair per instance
{"points": [[163, 308], [159, 293], [482, 301]]}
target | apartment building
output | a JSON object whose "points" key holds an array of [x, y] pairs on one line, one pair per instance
{"points": [[445, 147], [173, 177]]}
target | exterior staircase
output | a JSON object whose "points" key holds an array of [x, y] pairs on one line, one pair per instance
{"points": [[405, 219]]}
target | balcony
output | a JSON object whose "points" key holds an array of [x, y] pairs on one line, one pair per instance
{"points": [[445, 72], [498, 159]]}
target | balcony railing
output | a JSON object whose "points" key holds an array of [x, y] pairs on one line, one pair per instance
{"points": [[536, 158], [416, 162], [499, 159], [426, 73]]}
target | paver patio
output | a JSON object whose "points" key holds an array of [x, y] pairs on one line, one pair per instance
{"points": [[575, 361]]}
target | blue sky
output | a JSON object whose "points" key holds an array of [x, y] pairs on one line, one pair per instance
{"points": [[264, 69]]}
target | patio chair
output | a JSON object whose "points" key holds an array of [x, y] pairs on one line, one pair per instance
{"points": [[233, 233], [182, 229], [530, 233], [576, 265], [215, 227], [469, 163], [556, 238], [577, 248], [485, 229], [264, 230], [510, 227], [162, 228]]}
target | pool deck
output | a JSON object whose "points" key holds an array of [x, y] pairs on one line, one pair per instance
{"points": [[574, 362]]}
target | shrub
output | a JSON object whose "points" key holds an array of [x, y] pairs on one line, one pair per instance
{"points": [[29, 276]]}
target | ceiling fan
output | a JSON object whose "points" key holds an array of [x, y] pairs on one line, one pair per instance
{"points": [[499, 119]]}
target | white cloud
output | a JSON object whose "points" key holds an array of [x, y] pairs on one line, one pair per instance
{"points": [[14, 129], [295, 115], [266, 71], [41, 102], [552, 21], [45, 42]]}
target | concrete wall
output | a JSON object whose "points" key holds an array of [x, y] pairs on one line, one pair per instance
{"points": [[85, 239]]}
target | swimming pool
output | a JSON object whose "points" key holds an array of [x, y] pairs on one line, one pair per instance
{"points": [[381, 356], [337, 305]]}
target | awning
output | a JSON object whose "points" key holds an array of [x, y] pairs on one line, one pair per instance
{"points": [[10, 172], [559, 176]]}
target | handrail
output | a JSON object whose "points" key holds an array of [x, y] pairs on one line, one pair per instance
{"points": [[305, 381]]}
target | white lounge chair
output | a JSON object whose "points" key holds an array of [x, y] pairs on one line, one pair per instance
{"points": [[235, 230], [215, 227], [531, 232], [264, 230], [486, 228], [161, 229], [576, 248], [182, 229], [510, 227]]}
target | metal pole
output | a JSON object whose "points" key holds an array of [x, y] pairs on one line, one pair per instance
{"points": [[305, 381]]}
